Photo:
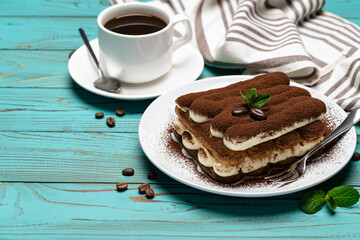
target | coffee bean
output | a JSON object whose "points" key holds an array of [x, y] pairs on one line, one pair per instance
{"points": [[110, 122], [152, 176], [150, 193], [71, 53], [128, 172], [99, 115], [257, 114], [143, 187], [120, 112], [120, 187], [355, 157], [240, 111]]}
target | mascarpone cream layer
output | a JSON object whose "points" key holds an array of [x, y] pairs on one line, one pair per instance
{"points": [[249, 164], [240, 144], [198, 117], [184, 109]]}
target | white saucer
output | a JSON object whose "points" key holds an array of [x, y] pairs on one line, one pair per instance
{"points": [[187, 67]]}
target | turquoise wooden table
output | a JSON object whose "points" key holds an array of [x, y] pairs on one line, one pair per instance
{"points": [[59, 165]]}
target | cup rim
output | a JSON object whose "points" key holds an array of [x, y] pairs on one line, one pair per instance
{"points": [[102, 27]]}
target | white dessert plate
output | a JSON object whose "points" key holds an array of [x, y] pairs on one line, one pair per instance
{"points": [[154, 139], [187, 67]]}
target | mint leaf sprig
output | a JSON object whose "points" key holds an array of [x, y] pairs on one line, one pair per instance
{"points": [[254, 100], [312, 201], [342, 196]]}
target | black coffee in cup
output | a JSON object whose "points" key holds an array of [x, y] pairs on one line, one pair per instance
{"points": [[135, 24]]}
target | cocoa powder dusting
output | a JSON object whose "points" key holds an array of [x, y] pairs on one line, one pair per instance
{"points": [[288, 105], [259, 82], [170, 143], [176, 147], [286, 115]]}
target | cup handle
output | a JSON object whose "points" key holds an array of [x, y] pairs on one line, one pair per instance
{"points": [[186, 38]]}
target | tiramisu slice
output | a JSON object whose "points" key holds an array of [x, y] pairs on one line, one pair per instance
{"points": [[237, 130]]}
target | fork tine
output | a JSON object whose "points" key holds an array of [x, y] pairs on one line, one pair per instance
{"points": [[283, 173], [289, 180], [282, 177]]}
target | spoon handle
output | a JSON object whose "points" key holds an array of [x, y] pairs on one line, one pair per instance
{"points": [[86, 41]]}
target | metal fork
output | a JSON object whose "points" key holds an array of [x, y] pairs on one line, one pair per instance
{"points": [[298, 168]]}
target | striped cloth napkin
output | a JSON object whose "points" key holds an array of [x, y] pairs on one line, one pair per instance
{"points": [[314, 47]]}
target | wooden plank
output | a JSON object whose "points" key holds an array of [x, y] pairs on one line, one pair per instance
{"points": [[56, 33], [93, 211], [88, 157], [26, 109], [61, 33], [26, 69], [71, 157], [24, 8], [348, 9], [344, 8]]}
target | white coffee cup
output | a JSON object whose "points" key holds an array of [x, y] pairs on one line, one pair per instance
{"points": [[139, 58]]}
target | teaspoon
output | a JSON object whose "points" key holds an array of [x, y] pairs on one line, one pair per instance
{"points": [[103, 83]]}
